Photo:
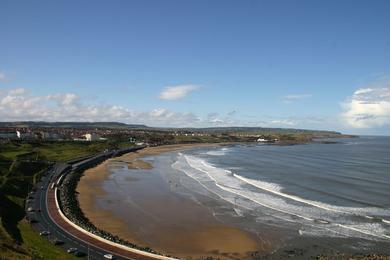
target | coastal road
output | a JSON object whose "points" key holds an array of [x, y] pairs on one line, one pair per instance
{"points": [[49, 219]]}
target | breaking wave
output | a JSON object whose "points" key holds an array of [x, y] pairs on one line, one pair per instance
{"points": [[269, 198]]}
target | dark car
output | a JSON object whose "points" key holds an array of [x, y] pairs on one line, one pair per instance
{"points": [[58, 242], [80, 254], [32, 220]]}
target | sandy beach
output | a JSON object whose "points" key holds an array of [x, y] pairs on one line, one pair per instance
{"points": [[157, 217]]}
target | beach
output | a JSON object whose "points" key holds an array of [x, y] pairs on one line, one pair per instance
{"points": [[157, 217]]}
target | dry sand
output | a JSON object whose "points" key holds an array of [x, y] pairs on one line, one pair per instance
{"points": [[197, 224]]}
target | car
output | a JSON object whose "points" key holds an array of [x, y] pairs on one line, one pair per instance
{"points": [[58, 242], [80, 254], [72, 250], [44, 233], [30, 209], [108, 256], [32, 220]]}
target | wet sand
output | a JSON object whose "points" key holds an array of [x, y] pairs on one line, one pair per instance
{"points": [[157, 217]]}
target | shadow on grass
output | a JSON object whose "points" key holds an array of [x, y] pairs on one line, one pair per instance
{"points": [[11, 213]]}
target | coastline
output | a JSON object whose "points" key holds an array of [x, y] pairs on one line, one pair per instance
{"points": [[213, 238]]}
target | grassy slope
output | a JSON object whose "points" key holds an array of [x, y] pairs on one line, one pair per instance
{"points": [[21, 165], [40, 247], [54, 151], [33, 246]]}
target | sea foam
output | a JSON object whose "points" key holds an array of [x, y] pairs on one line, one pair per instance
{"points": [[252, 194]]}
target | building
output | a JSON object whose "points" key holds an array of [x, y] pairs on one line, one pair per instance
{"points": [[26, 135], [8, 135], [91, 137]]}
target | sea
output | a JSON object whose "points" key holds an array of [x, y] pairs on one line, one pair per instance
{"points": [[340, 189], [324, 196]]}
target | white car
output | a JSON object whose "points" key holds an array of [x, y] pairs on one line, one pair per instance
{"points": [[72, 250], [108, 256], [44, 233]]}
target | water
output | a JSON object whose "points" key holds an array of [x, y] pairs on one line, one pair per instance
{"points": [[329, 190]]}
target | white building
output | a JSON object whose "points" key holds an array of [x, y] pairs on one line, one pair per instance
{"points": [[91, 137], [25, 135]]}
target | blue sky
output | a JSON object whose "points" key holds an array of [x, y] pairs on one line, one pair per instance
{"points": [[296, 64]]}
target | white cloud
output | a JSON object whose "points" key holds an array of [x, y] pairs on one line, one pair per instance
{"points": [[177, 92], [283, 123], [363, 91], [232, 113], [17, 104], [65, 99], [2, 76], [295, 97], [17, 91], [215, 119], [368, 107]]}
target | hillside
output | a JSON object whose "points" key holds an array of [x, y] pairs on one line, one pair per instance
{"points": [[42, 124]]}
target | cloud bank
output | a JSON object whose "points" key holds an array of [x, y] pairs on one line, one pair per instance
{"points": [[18, 105], [177, 92], [368, 107]]}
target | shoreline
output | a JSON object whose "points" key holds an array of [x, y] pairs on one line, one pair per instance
{"points": [[302, 247], [89, 186], [217, 234]]}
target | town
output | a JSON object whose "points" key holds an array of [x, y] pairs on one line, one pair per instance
{"points": [[140, 134]]}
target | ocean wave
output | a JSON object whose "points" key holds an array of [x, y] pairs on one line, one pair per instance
{"points": [[250, 194], [354, 211], [219, 152]]}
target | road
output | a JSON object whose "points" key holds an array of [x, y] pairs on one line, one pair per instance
{"points": [[48, 219]]}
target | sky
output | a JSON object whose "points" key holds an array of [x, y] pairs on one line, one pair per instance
{"points": [[296, 64]]}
